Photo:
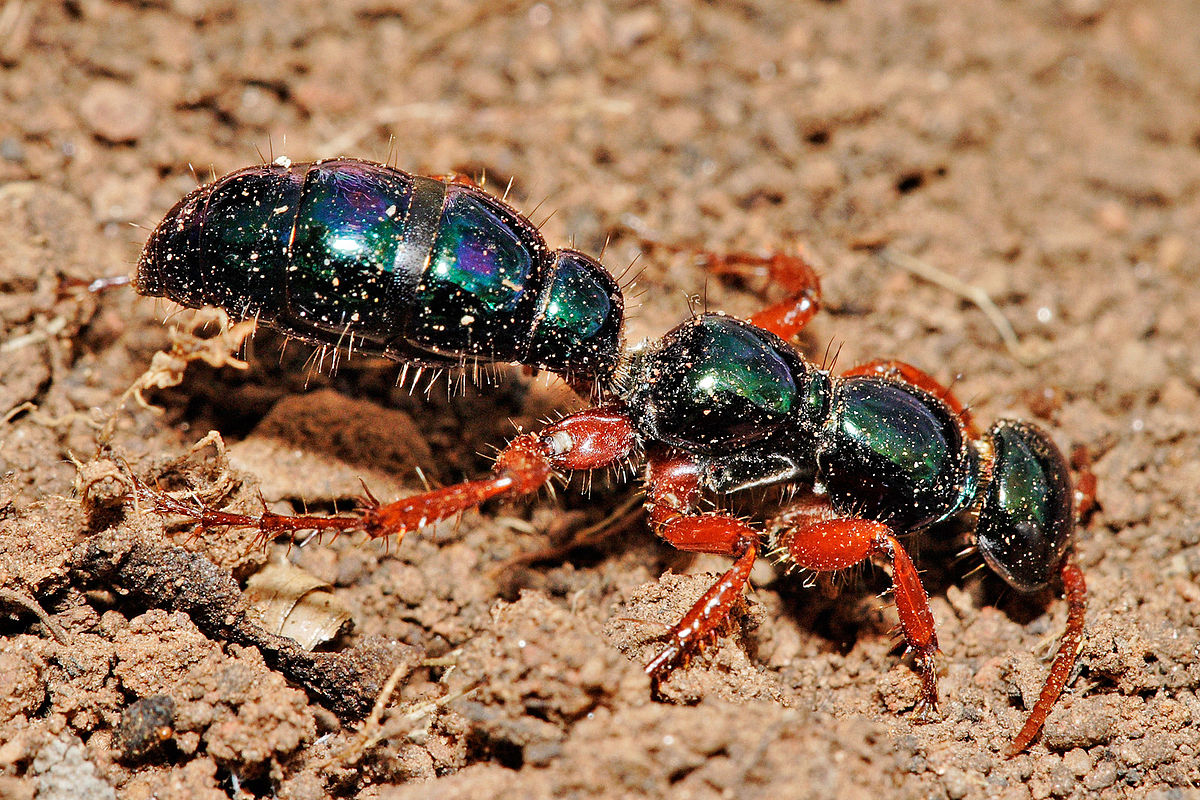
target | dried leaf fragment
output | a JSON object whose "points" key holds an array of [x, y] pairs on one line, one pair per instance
{"points": [[296, 604]]}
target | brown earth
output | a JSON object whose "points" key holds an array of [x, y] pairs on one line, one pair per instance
{"points": [[1047, 153]]}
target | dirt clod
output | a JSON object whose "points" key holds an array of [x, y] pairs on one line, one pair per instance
{"points": [[64, 772], [116, 113]]}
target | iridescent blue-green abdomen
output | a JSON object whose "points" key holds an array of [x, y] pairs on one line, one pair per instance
{"points": [[346, 252]]}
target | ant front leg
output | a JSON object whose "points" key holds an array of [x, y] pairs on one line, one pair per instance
{"points": [[788, 317], [813, 537], [585, 440], [672, 489], [796, 276], [1064, 660], [457, 179], [1085, 484], [1075, 588]]}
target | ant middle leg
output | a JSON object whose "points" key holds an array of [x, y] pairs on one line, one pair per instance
{"points": [[585, 440], [812, 536], [672, 490]]}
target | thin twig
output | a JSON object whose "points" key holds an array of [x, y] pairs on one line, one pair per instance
{"points": [[373, 731], [972, 294], [28, 602]]}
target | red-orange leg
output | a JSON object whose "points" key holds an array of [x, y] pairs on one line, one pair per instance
{"points": [[829, 544], [586, 440], [1064, 660], [1085, 483], [797, 277], [672, 490], [1076, 590], [457, 179], [900, 370]]}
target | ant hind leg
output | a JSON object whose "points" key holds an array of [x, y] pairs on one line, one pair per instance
{"points": [[812, 536], [585, 440]]}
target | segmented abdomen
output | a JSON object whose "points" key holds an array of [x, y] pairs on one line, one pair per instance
{"points": [[346, 251]]}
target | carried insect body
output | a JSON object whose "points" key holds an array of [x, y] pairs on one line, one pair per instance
{"points": [[436, 272]]}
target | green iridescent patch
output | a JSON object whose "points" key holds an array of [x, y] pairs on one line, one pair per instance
{"points": [[477, 254], [474, 295], [578, 327], [577, 305], [737, 364], [896, 427], [344, 252], [1027, 512], [716, 381], [895, 454]]}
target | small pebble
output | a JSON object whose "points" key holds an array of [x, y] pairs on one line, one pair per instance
{"points": [[1077, 761], [1084, 723], [146, 724], [634, 28], [116, 113], [1062, 782], [957, 784], [1113, 217], [1103, 776], [12, 150]]}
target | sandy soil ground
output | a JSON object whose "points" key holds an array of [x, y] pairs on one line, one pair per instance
{"points": [[1047, 153]]}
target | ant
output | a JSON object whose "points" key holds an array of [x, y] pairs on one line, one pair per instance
{"points": [[435, 272]]}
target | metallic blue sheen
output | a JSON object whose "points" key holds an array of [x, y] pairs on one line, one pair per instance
{"points": [[474, 294], [343, 270]]}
